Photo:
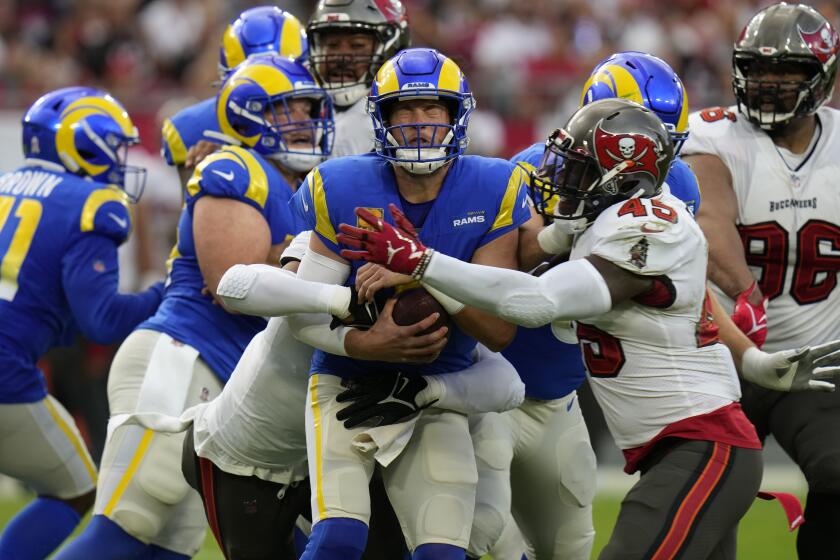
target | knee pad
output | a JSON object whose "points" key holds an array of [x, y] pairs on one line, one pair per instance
{"points": [[160, 474], [438, 551], [488, 525], [337, 538]]}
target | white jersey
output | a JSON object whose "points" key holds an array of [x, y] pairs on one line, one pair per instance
{"points": [[353, 130], [650, 360], [789, 220], [256, 426]]}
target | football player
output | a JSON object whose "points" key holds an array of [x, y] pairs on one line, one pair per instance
{"points": [[236, 212], [770, 213], [420, 105], [546, 436], [195, 131], [62, 217], [635, 283], [349, 41]]}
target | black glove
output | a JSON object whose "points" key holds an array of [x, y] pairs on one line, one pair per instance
{"points": [[381, 400], [362, 315]]}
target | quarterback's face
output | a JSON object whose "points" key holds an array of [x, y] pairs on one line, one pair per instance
{"points": [[423, 112], [288, 116], [347, 55]]}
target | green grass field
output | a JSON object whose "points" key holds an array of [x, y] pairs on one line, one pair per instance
{"points": [[762, 535]]}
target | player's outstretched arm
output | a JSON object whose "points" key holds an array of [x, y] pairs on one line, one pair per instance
{"points": [[260, 289], [571, 290], [727, 264], [90, 277], [804, 369]]}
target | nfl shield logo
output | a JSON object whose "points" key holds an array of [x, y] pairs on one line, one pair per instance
{"points": [[378, 212]]}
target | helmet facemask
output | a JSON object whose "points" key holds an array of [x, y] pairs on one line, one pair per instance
{"points": [[296, 144], [348, 77], [566, 184], [772, 92], [422, 148]]}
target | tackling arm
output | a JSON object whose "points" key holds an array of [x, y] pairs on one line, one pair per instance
{"points": [[717, 216]]}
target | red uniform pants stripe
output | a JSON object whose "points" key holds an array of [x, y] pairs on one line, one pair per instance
{"points": [[207, 487]]}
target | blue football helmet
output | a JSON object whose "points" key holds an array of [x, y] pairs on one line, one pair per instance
{"points": [[420, 73], [253, 107], [264, 30], [87, 132], [647, 80]]}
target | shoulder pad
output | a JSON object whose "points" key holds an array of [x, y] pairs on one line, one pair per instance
{"points": [[231, 172], [683, 184], [311, 205], [173, 149], [105, 211], [644, 236], [530, 157], [513, 206], [708, 127]]}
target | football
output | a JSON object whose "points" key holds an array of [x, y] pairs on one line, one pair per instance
{"points": [[415, 305]]}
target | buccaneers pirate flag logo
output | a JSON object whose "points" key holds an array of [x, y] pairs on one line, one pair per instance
{"points": [[641, 152]]}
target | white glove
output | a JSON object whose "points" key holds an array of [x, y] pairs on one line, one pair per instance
{"points": [[554, 240], [793, 370]]}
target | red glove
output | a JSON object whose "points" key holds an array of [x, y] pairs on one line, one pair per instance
{"points": [[750, 318], [396, 248]]}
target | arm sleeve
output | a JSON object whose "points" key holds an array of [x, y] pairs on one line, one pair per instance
{"points": [[90, 275], [314, 328], [489, 385], [571, 290], [260, 289]]}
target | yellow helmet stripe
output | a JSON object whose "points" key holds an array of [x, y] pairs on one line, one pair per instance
{"points": [[386, 79], [682, 122], [73, 114], [291, 43], [618, 79], [234, 53], [450, 76]]}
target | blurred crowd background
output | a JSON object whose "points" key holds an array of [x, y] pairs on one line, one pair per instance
{"points": [[526, 61]]}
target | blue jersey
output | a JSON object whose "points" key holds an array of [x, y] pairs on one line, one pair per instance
{"points": [[185, 313], [188, 127], [58, 271], [536, 353], [480, 200]]}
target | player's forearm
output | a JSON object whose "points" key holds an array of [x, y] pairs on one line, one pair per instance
{"points": [[571, 290], [259, 289], [727, 266], [489, 385], [488, 329], [729, 333]]}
